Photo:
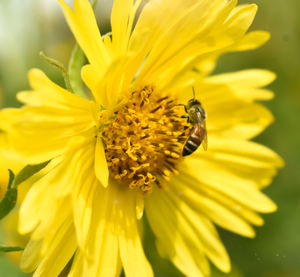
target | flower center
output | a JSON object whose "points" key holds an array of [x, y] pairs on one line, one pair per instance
{"points": [[145, 139]]}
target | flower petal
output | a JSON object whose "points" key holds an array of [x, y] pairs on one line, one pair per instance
{"points": [[85, 29], [228, 183], [139, 205], [98, 254], [51, 117], [246, 84], [122, 19], [112, 231], [31, 256], [48, 203], [177, 238], [7, 160], [228, 100], [37, 204], [243, 158], [56, 257], [101, 167], [223, 211], [185, 33], [252, 40], [131, 249]]}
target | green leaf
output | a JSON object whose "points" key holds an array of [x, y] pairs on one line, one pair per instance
{"points": [[76, 62], [27, 172], [10, 198], [4, 248]]}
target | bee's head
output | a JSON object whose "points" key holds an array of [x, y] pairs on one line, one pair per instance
{"points": [[192, 102]]}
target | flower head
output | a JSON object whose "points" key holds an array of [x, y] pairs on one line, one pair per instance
{"points": [[120, 153]]}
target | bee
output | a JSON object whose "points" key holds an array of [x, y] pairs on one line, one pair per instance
{"points": [[196, 116]]}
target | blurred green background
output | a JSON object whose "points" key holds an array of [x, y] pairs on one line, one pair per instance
{"points": [[27, 27]]}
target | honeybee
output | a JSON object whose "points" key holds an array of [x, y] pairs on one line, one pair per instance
{"points": [[197, 118]]}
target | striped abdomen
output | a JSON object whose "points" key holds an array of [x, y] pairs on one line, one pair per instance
{"points": [[193, 141]]}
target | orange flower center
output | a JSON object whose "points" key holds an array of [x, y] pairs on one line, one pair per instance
{"points": [[145, 139]]}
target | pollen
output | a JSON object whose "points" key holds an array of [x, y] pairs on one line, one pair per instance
{"points": [[143, 143]]}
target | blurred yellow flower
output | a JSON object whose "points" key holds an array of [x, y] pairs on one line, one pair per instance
{"points": [[120, 153], [7, 161]]}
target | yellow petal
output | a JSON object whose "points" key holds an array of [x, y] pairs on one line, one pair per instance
{"points": [[240, 20], [32, 208], [222, 210], [99, 249], [84, 26], [176, 239], [47, 203], [177, 41], [84, 186], [45, 92], [228, 101], [237, 119], [252, 40], [113, 235], [50, 119], [101, 167], [243, 163], [205, 231], [246, 84], [56, 257], [90, 76], [7, 160], [243, 153], [131, 250], [122, 19], [139, 205], [228, 183], [31, 256]]}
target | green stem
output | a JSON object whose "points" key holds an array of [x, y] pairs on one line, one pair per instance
{"points": [[4, 248]]}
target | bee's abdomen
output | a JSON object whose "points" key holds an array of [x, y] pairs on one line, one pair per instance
{"points": [[191, 144]]}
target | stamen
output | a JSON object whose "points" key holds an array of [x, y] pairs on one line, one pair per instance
{"points": [[145, 140]]}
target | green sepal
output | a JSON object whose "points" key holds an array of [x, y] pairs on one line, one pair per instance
{"points": [[74, 70], [58, 65], [4, 248], [77, 61], [94, 3], [26, 172], [10, 198]]}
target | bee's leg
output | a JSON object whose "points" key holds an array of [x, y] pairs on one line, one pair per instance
{"points": [[183, 116], [187, 117], [181, 105]]}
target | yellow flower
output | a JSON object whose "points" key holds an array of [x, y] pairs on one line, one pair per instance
{"points": [[7, 160], [11, 235], [10, 222], [120, 153]]}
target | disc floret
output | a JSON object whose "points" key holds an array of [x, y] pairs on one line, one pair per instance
{"points": [[145, 139]]}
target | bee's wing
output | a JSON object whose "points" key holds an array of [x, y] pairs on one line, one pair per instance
{"points": [[204, 141], [199, 117]]}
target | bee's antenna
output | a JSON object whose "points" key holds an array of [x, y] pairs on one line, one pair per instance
{"points": [[193, 92]]}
